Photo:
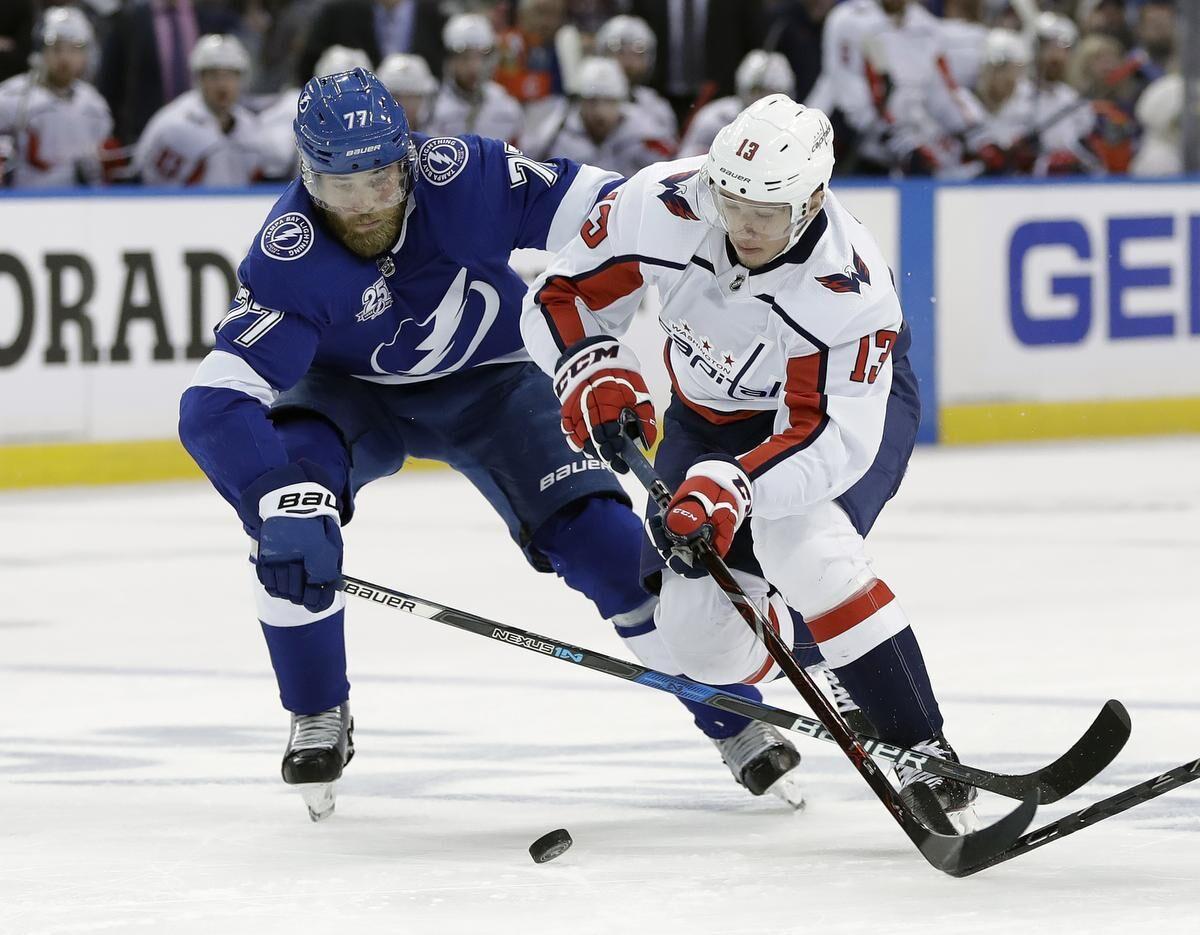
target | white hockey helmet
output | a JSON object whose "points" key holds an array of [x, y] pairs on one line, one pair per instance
{"points": [[601, 78], [219, 51], [625, 31], [776, 152], [339, 58], [406, 74], [468, 31], [66, 24], [1053, 27], [1005, 47], [766, 73]]}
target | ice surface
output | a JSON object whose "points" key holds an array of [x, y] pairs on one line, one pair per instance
{"points": [[140, 733]]}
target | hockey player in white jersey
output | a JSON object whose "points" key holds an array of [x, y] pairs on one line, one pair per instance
{"points": [[57, 122], [468, 101], [601, 126], [412, 85], [631, 41], [759, 75], [793, 412], [205, 136]]}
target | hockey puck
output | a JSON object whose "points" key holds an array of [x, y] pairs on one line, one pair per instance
{"points": [[549, 846]]}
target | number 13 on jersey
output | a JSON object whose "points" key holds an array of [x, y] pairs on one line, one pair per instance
{"points": [[868, 345]]}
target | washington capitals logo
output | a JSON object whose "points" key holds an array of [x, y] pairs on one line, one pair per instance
{"points": [[849, 281], [672, 195]]}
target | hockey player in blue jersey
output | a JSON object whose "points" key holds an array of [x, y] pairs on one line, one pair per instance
{"points": [[377, 319]]}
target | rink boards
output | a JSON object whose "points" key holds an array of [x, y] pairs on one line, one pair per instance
{"points": [[1038, 310]]}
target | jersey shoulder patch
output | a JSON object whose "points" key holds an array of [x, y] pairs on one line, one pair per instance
{"points": [[672, 195], [288, 237], [442, 159], [851, 279]]}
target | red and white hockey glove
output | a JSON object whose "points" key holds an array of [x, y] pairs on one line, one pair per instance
{"points": [[596, 381], [709, 505]]}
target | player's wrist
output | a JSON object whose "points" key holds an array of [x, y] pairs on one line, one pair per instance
{"points": [[728, 474], [300, 490], [586, 358]]}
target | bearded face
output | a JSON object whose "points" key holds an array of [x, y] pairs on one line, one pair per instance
{"points": [[369, 234]]}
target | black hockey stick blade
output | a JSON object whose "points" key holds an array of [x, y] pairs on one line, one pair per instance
{"points": [[1085, 817], [1090, 754], [962, 854], [949, 853]]}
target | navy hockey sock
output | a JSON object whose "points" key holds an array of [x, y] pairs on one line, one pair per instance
{"points": [[310, 664], [867, 641]]}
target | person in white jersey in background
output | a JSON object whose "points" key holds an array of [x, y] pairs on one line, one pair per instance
{"points": [[55, 121], [468, 101], [759, 74], [205, 136]]}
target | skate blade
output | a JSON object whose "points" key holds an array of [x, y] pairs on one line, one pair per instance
{"points": [[788, 788], [319, 798]]}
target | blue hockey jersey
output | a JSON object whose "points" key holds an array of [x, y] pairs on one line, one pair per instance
{"points": [[444, 298]]}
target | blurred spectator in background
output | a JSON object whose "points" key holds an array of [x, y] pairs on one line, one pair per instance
{"points": [[1102, 75], [794, 28], [701, 43], [1003, 143], [1155, 34], [760, 73], [56, 121], [601, 126], [1063, 118], [279, 30], [963, 37], [1105, 16], [16, 35], [275, 121], [378, 27], [144, 62], [205, 136], [468, 101], [842, 90], [1160, 112], [412, 85], [631, 41], [528, 67], [923, 113]]}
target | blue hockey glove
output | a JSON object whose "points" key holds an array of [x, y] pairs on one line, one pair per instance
{"points": [[299, 534]]}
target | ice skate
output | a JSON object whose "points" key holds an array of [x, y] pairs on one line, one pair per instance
{"points": [[943, 805], [762, 760], [851, 713], [319, 747]]}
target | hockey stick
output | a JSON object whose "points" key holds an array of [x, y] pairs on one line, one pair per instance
{"points": [[954, 854], [1086, 758], [1098, 811]]}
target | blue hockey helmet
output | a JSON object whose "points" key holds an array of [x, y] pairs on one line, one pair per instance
{"points": [[348, 124]]}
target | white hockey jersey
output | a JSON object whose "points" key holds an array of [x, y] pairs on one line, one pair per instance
{"points": [[808, 336], [707, 122], [56, 138], [277, 139], [183, 144], [963, 44], [842, 84], [495, 113], [635, 143], [658, 109]]}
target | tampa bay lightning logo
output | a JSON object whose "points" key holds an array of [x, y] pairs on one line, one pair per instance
{"points": [[288, 237], [447, 337], [443, 158]]}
